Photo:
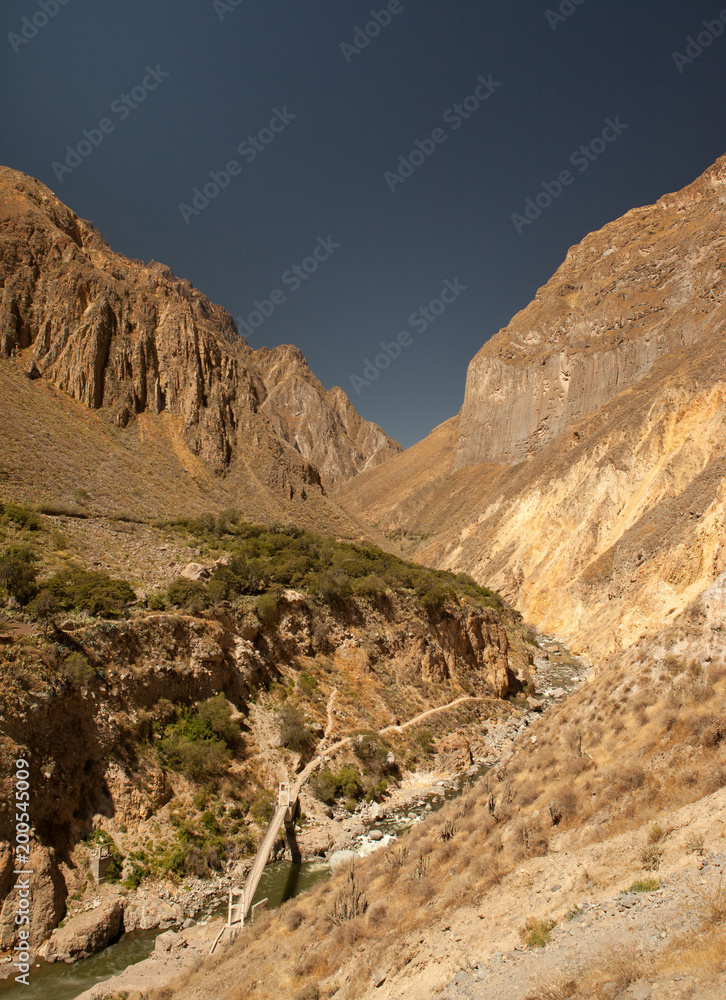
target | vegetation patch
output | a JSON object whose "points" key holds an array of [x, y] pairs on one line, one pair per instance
{"points": [[537, 933], [201, 743], [264, 559], [97, 593], [644, 885]]}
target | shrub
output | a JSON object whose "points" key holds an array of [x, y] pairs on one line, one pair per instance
{"points": [[350, 901], [325, 786], [91, 591], [199, 744], [263, 807], [644, 885], [209, 822], [20, 515], [294, 733], [267, 608], [307, 683], [537, 933], [711, 902], [216, 715], [656, 833], [136, 876], [435, 598], [44, 608], [369, 586], [190, 595], [18, 572], [79, 669], [651, 858], [425, 740], [345, 784]]}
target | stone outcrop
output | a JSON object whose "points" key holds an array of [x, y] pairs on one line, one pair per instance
{"points": [[130, 340], [47, 903], [597, 505], [323, 426], [144, 911], [85, 935]]}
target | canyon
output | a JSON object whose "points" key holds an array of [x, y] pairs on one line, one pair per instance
{"points": [[580, 490]]}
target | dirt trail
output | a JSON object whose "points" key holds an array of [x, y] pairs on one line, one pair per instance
{"points": [[425, 715], [331, 721]]}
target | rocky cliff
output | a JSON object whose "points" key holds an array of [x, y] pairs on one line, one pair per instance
{"points": [[323, 425], [147, 352], [381, 661], [646, 285], [615, 521]]}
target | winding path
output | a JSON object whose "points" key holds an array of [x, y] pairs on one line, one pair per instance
{"points": [[287, 804]]}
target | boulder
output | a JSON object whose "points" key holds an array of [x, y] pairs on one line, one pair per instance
{"points": [[170, 941], [144, 911], [341, 858], [85, 935], [195, 571]]}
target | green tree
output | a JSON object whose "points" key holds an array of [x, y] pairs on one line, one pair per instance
{"points": [[294, 733], [44, 608], [18, 572]]}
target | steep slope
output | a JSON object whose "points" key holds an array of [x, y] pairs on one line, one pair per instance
{"points": [[640, 288], [323, 425], [150, 356], [616, 518]]}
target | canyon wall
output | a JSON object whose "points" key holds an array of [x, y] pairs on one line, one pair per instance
{"points": [[584, 476], [625, 297]]}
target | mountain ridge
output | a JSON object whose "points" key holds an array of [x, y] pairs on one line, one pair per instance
{"points": [[133, 342]]}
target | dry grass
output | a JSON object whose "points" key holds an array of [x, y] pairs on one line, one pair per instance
{"points": [[704, 955], [464, 850], [561, 984], [710, 902], [613, 971]]}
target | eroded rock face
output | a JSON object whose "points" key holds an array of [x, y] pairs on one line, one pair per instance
{"points": [[605, 511], [47, 900], [323, 426], [646, 285], [128, 338]]}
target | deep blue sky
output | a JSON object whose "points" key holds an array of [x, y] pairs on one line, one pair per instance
{"points": [[323, 175]]}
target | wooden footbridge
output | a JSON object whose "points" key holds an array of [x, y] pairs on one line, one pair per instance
{"points": [[286, 810]]}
